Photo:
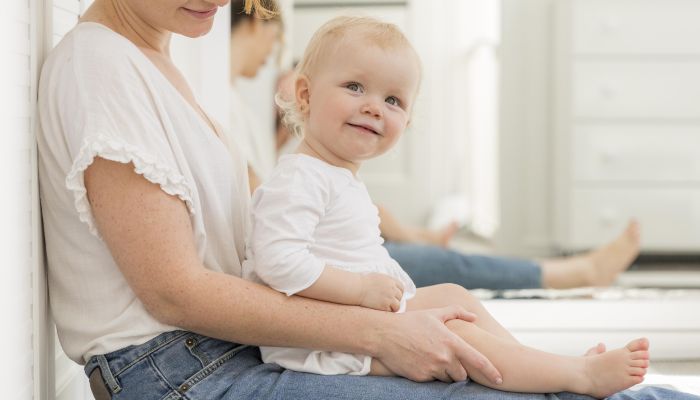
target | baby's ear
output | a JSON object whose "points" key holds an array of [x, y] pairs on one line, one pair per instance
{"points": [[302, 93]]}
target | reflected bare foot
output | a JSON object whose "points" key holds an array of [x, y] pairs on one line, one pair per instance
{"points": [[615, 257], [441, 237], [599, 267]]}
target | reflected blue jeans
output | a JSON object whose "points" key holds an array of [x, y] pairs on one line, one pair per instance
{"points": [[182, 365], [431, 265]]}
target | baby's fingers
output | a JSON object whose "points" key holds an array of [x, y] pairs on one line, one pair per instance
{"points": [[395, 304]]}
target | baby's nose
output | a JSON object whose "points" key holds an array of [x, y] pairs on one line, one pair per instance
{"points": [[372, 108]]}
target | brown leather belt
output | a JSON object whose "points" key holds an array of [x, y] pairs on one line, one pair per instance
{"points": [[97, 385]]}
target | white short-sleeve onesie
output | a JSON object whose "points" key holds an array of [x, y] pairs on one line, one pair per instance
{"points": [[310, 214]]}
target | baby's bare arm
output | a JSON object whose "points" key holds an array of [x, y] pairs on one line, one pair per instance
{"points": [[377, 291], [336, 286]]}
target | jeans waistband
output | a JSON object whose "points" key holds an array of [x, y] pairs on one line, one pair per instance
{"points": [[114, 363]]}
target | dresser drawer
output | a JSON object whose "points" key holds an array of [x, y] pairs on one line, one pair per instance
{"points": [[635, 27], [669, 218], [640, 153], [636, 90]]}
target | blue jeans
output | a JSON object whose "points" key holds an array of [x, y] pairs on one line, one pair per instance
{"points": [[431, 265], [182, 365]]}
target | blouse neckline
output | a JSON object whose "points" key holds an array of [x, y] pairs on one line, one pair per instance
{"points": [[200, 118]]}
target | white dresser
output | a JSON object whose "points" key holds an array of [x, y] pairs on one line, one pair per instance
{"points": [[626, 122]]}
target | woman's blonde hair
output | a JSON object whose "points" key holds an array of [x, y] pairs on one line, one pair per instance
{"points": [[263, 9], [330, 37]]}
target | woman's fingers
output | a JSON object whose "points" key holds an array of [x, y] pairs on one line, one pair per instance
{"points": [[457, 372], [471, 357], [443, 376], [417, 345], [455, 312]]}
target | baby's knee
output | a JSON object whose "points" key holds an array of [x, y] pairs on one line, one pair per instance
{"points": [[456, 294]]}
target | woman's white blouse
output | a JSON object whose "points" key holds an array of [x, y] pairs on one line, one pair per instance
{"points": [[99, 96]]}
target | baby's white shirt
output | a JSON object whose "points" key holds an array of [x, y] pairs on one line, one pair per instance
{"points": [[311, 214], [308, 215]]}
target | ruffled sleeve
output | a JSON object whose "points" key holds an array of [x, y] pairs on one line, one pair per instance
{"points": [[109, 108], [116, 149]]}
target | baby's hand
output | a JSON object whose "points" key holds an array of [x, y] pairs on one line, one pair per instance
{"points": [[381, 292]]}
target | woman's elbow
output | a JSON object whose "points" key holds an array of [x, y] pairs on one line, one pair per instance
{"points": [[167, 302]]}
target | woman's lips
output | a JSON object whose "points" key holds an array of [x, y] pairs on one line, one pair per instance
{"points": [[201, 14]]}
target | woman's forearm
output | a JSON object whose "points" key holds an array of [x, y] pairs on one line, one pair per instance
{"points": [[230, 308]]}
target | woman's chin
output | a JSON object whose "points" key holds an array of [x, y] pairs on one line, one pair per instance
{"points": [[195, 31]]}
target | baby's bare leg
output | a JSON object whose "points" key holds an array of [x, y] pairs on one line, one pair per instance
{"points": [[528, 370], [449, 294]]}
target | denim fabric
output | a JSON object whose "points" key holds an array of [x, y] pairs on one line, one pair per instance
{"points": [[431, 265], [183, 365]]}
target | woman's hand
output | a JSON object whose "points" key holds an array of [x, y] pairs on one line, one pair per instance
{"points": [[381, 292], [418, 346]]}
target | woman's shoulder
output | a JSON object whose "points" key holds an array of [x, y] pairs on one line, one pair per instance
{"points": [[91, 52]]}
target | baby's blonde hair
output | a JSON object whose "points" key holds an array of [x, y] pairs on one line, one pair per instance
{"points": [[330, 37]]}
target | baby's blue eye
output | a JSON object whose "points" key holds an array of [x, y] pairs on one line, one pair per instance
{"points": [[353, 86], [392, 100]]}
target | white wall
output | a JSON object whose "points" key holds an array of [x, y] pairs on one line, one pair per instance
{"points": [[18, 180]]}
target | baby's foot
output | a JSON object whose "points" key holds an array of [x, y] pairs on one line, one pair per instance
{"points": [[607, 262], [616, 370], [598, 349], [441, 237]]}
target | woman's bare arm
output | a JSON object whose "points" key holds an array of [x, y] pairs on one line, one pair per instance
{"points": [[150, 237]]}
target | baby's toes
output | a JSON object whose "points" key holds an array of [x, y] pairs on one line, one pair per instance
{"points": [[633, 371], [638, 344], [643, 363], [639, 355]]}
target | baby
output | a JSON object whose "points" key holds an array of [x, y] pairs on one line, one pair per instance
{"points": [[315, 231]]}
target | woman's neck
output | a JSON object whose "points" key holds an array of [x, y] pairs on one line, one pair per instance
{"points": [[118, 16]]}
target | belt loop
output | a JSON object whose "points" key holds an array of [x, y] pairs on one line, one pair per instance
{"points": [[106, 373]]}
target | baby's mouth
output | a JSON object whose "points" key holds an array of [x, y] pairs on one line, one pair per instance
{"points": [[366, 128]]}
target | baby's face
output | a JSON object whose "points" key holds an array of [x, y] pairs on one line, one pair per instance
{"points": [[360, 99]]}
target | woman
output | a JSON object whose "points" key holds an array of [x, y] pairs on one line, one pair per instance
{"points": [[144, 215]]}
